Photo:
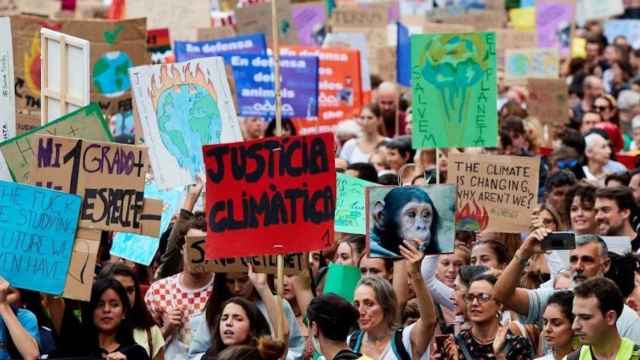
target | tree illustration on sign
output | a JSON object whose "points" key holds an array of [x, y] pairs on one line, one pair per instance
{"points": [[187, 112]]}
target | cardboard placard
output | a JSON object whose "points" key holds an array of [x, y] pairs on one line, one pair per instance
{"points": [[182, 18], [495, 193], [453, 100], [479, 20], [374, 16], [553, 24], [87, 123], [512, 39], [386, 59], [109, 177], [65, 74], [289, 187], [25, 34], [243, 44], [215, 33], [521, 64], [82, 266], [182, 107], [7, 88], [140, 248], [548, 100], [253, 76], [421, 213], [256, 18], [340, 94], [38, 227], [116, 46], [351, 213], [294, 264]]}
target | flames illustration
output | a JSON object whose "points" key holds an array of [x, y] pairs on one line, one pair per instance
{"points": [[171, 77], [32, 65], [472, 217]]}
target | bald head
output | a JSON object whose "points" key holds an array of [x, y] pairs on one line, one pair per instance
{"points": [[387, 98]]}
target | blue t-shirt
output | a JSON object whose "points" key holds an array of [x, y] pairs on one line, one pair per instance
{"points": [[30, 324]]}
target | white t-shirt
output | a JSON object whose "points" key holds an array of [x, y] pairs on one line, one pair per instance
{"points": [[352, 154]]}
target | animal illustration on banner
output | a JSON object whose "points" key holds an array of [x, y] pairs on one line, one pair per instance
{"points": [[454, 86], [182, 107], [410, 213], [494, 193]]}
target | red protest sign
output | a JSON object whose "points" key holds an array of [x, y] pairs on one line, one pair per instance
{"points": [[271, 196], [339, 88]]}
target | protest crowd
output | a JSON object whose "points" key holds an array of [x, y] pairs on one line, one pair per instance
{"points": [[338, 180]]}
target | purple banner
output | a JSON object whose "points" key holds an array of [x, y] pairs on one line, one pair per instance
{"points": [[553, 23], [308, 19]]}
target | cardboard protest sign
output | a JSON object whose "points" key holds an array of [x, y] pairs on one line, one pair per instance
{"points": [[65, 74], [421, 213], [479, 20], [341, 280], [182, 107], [116, 46], [350, 204], [454, 94], [108, 176], [294, 264], [215, 33], [597, 9], [255, 92], [553, 24], [548, 100], [38, 227], [512, 39], [182, 18], [340, 94], [288, 200], [140, 248], [256, 18], [159, 46], [243, 44], [87, 123], [308, 19], [355, 41], [374, 16], [628, 28], [495, 193], [83, 263], [7, 89], [531, 63], [25, 34], [387, 62]]}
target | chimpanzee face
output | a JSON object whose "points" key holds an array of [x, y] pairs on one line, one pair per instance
{"points": [[415, 222]]}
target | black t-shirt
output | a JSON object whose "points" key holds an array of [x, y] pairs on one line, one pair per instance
{"points": [[134, 351]]}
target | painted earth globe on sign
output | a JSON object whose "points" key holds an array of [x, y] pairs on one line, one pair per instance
{"points": [[110, 74], [188, 117]]}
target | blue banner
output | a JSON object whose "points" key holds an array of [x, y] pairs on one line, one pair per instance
{"points": [[37, 231], [403, 56], [140, 248], [245, 44], [253, 76]]}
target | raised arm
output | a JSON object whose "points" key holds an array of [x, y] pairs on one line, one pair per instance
{"points": [[259, 282], [423, 330], [506, 290], [24, 341], [442, 294]]}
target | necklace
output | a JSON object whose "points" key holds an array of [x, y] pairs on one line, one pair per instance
{"points": [[374, 339], [482, 341]]}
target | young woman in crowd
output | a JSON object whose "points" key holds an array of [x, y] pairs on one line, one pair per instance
{"points": [[252, 287], [106, 324], [350, 250], [490, 253], [579, 204], [360, 149], [239, 323], [378, 337], [145, 331], [297, 291], [557, 332]]}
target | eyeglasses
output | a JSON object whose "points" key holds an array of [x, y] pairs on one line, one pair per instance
{"points": [[482, 298]]}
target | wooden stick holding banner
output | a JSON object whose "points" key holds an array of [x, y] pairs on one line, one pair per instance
{"points": [[437, 166], [278, 107]]}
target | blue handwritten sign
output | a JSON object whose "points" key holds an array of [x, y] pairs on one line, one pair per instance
{"points": [[245, 44], [140, 248], [253, 76], [37, 230], [351, 214]]}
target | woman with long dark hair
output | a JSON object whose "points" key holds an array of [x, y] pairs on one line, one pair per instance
{"points": [[145, 331], [106, 324]]}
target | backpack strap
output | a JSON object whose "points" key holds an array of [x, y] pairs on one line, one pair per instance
{"points": [[463, 347], [398, 347], [355, 341]]}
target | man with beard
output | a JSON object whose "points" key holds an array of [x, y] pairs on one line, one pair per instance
{"points": [[388, 99], [615, 207], [590, 259]]}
